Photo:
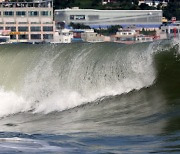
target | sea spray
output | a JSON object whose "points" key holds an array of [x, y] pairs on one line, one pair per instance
{"points": [[10, 103], [60, 77]]}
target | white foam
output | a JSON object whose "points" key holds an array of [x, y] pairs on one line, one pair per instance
{"points": [[45, 92], [26, 145], [10, 103]]}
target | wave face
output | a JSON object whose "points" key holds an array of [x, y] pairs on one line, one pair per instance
{"points": [[47, 78]]}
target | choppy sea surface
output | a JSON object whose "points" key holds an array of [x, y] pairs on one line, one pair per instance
{"points": [[90, 98]]}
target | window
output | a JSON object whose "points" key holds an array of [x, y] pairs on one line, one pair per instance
{"points": [[12, 37], [80, 17], [10, 22], [35, 23], [77, 17], [48, 28], [1, 28], [35, 36], [8, 13], [48, 36], [35, 29], [71, 17], [44, 13], [23, 29], [20, 13], [23, 37], [33, 13], [13, 29], [47, 22], [23, 23]]}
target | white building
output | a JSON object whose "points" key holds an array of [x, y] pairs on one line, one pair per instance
{"points": [[28, 21], [104, 18], [63, 36], [126, 36]]}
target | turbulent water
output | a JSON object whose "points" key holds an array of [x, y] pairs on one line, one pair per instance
{"points": [[90, 98]]}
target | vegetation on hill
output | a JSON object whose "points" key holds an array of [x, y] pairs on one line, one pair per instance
{"points": [[111, 30], [97, 4], [79, 26], [172, 10], [148, 32]]}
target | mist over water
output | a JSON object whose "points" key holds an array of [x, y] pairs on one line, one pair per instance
{"points": [[87, 94]]}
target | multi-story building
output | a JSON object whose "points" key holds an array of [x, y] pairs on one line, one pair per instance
{"points": [[104, 18], [28, 21]]}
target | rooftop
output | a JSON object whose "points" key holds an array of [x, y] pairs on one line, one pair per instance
{"points": [[47, 3]]}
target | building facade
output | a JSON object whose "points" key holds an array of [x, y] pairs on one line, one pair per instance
{"points": [[104, 18], [63, 36], [171, 30], [91, 36], [28, 21]]}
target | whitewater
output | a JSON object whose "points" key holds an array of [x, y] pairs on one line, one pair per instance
{"points": [[103, 90], [46, 80]]}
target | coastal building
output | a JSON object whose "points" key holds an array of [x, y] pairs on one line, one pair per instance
{"points": [[127, 36], [104, 18], [91, 36], [4, 37], [144, 38], [171, 30], [63, 36], [28, 21]]}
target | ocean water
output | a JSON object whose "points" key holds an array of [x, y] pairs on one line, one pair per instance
{"points": [[90, 98]]}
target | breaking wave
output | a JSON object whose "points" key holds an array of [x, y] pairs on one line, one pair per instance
{"points": [[47, 78]]}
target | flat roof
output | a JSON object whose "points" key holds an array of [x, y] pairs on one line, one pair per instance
{"points": [[5, 4], [69, 9]]}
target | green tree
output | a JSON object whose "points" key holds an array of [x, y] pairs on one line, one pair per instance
{"points": [[172, 10], [109, 31], [145, 6], [79, 26]]}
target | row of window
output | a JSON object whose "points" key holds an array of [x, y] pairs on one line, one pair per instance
{"points": [[33, 36], [32, 29], [174, 31], [24, 13], [26, 23]]}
